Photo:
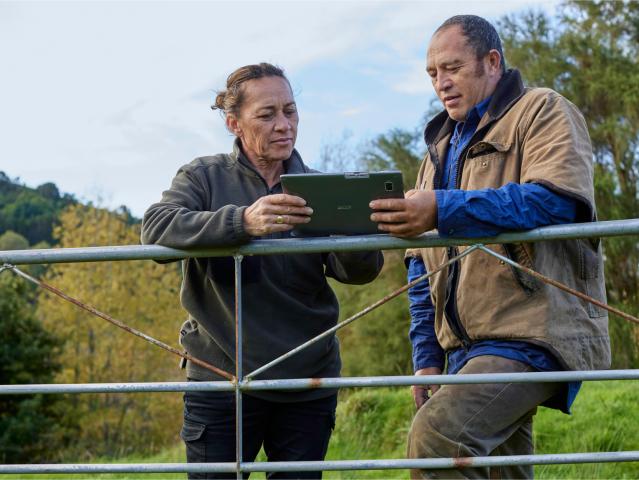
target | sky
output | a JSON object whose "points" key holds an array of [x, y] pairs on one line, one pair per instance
{"points": [[108, 99]]}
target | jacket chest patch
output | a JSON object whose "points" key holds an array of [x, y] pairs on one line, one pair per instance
{"points": [[485, 148]]}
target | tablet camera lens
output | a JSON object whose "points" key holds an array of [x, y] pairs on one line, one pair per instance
{"points": [[388, 186]]}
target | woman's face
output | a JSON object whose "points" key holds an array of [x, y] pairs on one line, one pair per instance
{"points": [[267, 120]]}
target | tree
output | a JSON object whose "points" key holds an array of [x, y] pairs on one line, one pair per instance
{"points": [[29, 424], [49, 190], [376, 344], [339, 155], [30, 212], [397, 149], [144, 295], [590, 55], [11, 240]]}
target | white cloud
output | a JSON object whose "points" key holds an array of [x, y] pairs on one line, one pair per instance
{"points": [[351, 112], [113, 96]]}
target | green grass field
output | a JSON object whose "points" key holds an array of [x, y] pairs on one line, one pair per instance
{"points": [[373, 423], [605, 418]]}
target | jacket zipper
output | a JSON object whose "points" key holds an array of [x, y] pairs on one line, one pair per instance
{"points": [[454, 323]]}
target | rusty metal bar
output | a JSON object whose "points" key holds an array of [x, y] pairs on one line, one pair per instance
{"points": [[332, 465], [360, 314], [339, 382], [560, 285], [238, 364], [611, 228], [265, 247], [117, 323]]}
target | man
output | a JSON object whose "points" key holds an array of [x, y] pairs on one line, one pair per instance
{"points": [[501, 157]]}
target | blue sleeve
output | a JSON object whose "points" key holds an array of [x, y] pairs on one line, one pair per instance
{"points": [[488, 212], [426, 349]]}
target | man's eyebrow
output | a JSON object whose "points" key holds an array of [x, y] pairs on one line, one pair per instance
{"points": [[453, 62], [445, 64]]}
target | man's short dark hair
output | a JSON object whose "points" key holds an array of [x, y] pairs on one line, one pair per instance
{"points": [[479, 33]]}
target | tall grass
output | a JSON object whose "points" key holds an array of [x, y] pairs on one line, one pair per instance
{"points": [[373, 423], [605, 419]]}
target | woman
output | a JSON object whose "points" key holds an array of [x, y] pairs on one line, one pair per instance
{"points": [[229, 199]]}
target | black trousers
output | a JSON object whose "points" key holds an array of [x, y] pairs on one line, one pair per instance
{"points": [[289, 431]]}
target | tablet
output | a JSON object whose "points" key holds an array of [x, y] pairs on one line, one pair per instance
{"points": [[340, 200]]}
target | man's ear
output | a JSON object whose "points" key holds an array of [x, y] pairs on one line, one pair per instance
{"points": [[494, 61], [233, 125]]}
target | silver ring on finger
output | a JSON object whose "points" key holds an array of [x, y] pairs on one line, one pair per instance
{"points": [[279, 219]]}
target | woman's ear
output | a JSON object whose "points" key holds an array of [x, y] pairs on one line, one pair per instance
{"points": [[233, 125]]}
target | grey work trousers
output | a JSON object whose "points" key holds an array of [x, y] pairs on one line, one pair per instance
{"points": [[479, 420]]}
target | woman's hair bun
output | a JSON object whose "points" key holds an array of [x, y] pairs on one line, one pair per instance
{"points": [[230, 100]]}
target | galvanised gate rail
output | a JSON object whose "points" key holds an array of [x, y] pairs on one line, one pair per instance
{"points": [[241, 383]]}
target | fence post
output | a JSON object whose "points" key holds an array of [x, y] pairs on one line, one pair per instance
{"points": [[238, 363]]}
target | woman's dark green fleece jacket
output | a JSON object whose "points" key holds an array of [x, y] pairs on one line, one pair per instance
{"points": [[286, 298]]}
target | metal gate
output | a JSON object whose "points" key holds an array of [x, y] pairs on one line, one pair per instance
{"points": [[242, 382]]}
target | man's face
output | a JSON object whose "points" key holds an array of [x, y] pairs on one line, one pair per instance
{"points": [[460, 80]]}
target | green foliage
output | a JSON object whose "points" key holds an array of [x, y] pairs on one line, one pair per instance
{"points": [[591, 57], [142, 294], [603, 420], [29, 424], [588, 53], [396, 149], [173, 454], [11, 240], [376, 344], [30, 212], [373, 423]]}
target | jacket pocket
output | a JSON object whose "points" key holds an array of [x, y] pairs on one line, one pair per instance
{"points": [[187, 328], [193, 436], [485, 147], [485, 166], [192, 431], [591, 276], [517, 253], [588, 261]]}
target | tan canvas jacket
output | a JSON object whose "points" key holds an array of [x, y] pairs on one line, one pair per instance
{"points": [[526, 135]]}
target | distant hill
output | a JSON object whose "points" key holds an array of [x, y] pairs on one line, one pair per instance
{"points": [[31, 212]]}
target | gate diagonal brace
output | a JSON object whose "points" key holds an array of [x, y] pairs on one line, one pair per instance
{"points": [[360, 314], [6, 266], [116, 322], [342, 324], [560, 285]]}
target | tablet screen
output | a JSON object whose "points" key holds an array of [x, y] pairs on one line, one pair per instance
{"points": [[340, 200]]}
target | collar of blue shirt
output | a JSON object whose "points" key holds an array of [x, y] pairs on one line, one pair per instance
{"points": [[472, 120]]}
